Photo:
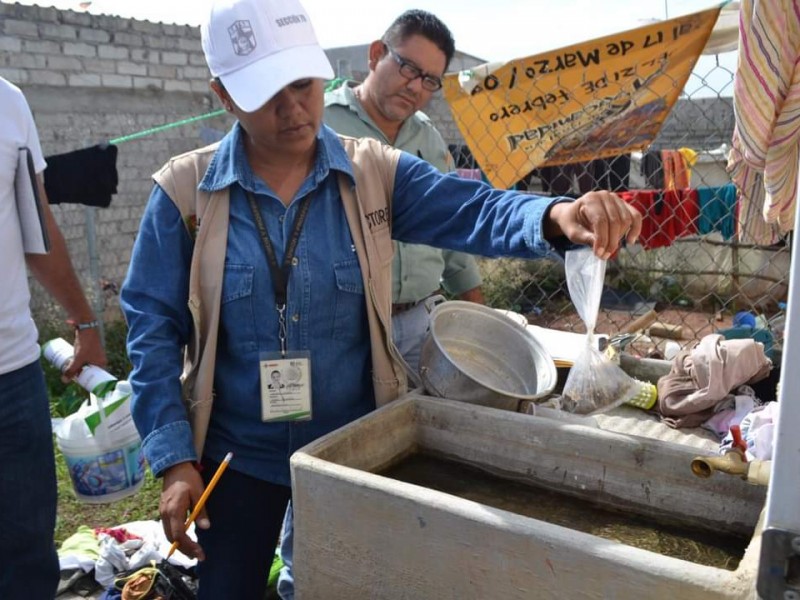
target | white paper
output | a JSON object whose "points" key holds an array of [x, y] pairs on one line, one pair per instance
{"points": [[29, 208]]}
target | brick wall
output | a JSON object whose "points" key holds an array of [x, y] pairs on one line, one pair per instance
{"points": [[91, 78]]}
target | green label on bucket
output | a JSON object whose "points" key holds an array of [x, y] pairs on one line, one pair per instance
{"points": [[93, 420]]}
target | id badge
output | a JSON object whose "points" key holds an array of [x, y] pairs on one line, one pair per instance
{"points": [[285, 386]]}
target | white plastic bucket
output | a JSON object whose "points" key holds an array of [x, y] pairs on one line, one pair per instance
{"points": [[101, 475], [105, 467]]}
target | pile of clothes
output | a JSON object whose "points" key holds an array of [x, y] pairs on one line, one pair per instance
{"points": [[712, 386], [93, 559]]}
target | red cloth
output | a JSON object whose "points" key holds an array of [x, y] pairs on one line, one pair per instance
{"points": [[666, 215], [120, 534], [686, 213]]}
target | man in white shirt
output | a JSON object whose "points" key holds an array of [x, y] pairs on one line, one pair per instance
{"points": [[28, 481]]}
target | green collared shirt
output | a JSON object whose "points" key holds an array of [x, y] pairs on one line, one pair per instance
{"points": [[417, 271]]}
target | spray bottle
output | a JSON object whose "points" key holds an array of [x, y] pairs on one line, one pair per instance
{"points": [[92, 378]]}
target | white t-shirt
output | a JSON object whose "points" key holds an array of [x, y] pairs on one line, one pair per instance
{"points": [[18, 335]]}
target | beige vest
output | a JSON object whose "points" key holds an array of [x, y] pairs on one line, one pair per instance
{"points": [[368, 209]]}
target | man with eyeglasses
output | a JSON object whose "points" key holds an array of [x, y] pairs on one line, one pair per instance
{"points": [[405, 69]]}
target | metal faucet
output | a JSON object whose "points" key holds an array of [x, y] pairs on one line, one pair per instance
{"points": [[734, 463]]}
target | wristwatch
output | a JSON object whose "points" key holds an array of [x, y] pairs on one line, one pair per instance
{"points": [[82, 326]]}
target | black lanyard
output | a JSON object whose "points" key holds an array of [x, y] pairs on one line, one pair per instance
{"points": [[280, 274]]}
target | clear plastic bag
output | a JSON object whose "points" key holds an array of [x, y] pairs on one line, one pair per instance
{"points": [[594, 383]]}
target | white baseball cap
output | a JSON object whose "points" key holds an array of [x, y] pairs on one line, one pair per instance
{"points": [[258, 47]]}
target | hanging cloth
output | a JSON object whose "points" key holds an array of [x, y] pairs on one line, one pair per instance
{"points": [[689, 160], [652, 169], [666, 215], [764, 158], [87, 176], [676, 175], [717, 210]]}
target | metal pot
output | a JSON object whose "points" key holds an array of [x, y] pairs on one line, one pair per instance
{"points": [[479, 355]]}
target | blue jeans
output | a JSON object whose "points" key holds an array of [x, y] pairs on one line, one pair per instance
{"points": [[410, 328], [408, 333], [286, 579], [27, 487], [245, 515]]}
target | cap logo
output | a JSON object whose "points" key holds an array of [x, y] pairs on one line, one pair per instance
{"points": [[242, 37]]}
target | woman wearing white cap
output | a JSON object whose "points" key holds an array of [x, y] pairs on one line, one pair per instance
{"points": [[272, 251]]}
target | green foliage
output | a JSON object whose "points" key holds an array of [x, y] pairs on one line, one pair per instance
{"points": [[504, 283], [118, 363], [520, 285], [68, 402], [629, 280]]}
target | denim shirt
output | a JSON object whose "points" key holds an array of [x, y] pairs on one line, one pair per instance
{"points": [[326, 313]]}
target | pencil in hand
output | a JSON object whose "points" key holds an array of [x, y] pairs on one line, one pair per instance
{"points": [[204, 496]]}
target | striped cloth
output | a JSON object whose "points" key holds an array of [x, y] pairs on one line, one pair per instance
{"points": [[764, 160]]}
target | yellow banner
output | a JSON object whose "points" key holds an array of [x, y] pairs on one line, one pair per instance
{"points": [[592, 100]]}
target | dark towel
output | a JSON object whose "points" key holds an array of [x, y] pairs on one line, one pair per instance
{"points": [[652, 169], [612, 174], [87, 176]]}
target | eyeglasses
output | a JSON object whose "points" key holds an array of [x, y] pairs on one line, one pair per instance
{"points": [[412, 72]]}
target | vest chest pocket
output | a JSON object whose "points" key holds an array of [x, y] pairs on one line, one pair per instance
{"points": [[349, 316], [237, 322]]}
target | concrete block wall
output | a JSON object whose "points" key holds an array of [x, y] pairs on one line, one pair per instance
{"points": [[93, 78]]}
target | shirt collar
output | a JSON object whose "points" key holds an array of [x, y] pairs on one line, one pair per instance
{"points": [[229, 164], [345, 96]]}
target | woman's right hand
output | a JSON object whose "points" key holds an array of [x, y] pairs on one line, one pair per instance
{"points": [[181, 490]]}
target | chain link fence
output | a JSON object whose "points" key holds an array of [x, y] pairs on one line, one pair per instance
{"points": [[692, 264]]}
